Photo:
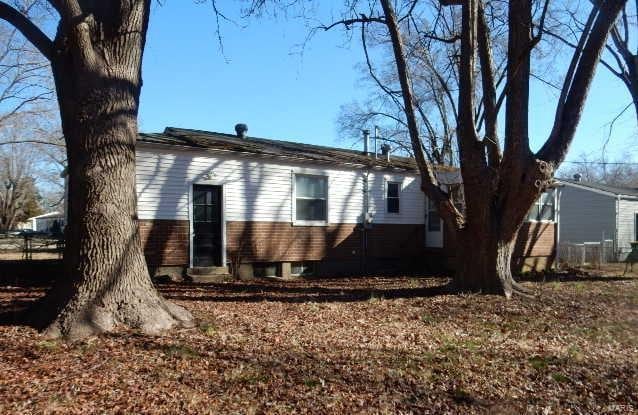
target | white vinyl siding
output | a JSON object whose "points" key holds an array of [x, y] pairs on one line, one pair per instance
{"points": [[627, 211], [412, 209], [261, 189]]}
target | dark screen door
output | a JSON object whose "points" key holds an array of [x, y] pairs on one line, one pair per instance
{"points": [[207, 226]]}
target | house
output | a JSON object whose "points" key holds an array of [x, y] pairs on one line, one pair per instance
{"points": [[209, 200], [47, 222], [593, 212]]}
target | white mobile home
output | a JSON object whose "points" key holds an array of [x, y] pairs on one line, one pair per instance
{"points": [[592, 212]]}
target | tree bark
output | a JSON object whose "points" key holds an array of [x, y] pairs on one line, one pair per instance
{"points": [[486, 248], [98, 79], [486, 265]]}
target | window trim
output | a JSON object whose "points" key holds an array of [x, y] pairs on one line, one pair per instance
{"points": [[301, 222], [386, 197]]}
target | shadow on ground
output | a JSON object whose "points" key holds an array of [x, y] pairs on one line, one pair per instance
{"points": [[17, 297], [306, 291], [575, 276]]}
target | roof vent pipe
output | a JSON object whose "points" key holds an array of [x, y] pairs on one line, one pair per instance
{"points": [[241, 130], [385, 150], [376, 136], [577, 177], [366, 141]]}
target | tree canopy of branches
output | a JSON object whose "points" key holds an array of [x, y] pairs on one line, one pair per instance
{"points": [[620, 56], [434, 78], [29, 127], [19, 198], [501, 176], [25, 75]]}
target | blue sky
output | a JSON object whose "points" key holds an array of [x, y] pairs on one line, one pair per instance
{"points": [[262, 80]]}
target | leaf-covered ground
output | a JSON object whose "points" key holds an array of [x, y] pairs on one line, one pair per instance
{"points": [[374, 345]]}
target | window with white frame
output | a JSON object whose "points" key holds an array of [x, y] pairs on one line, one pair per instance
{"points": [[434, 219], [543, 209], [393, 190], [311, 198]]}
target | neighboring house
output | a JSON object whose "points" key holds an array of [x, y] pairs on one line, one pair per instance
{"points": [[210, 199], [48, 222], [592, 212]]}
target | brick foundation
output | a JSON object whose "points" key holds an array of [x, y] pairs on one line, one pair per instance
{"points": [[165, 242], [281, 241]]}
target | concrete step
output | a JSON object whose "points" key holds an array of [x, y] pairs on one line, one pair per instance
{"points": [[207, 270], [208, 274]]}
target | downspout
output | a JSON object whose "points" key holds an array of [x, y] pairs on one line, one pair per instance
{"points": [[364, 221], [376, 138], [366, 203], [558, 195], [617, 226]]}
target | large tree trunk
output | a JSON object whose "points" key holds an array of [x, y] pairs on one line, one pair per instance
{"points": [[484, 265], [98, 80]]}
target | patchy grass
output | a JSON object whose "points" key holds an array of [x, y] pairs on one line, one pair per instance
{"points": [[374, 345]]}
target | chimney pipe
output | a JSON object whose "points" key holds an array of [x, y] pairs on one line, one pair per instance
{"points": [[385, 150], [366, 140], [241, 130], [376, 137]]}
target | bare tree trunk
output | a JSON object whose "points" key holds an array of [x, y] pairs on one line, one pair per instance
{"points": [[106, 283], [632, 84], [486, 263]]}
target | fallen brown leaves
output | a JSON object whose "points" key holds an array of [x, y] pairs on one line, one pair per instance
{"points": [[375, 345]]}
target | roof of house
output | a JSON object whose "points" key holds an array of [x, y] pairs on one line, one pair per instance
{"points": [[625, 191], [277, 148], [48, 215]]}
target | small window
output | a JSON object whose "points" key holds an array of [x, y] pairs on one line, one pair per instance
{"points": [[543, 209], [392, 196], [302, 269], [311, 198], [267, 269], [434, 219]]}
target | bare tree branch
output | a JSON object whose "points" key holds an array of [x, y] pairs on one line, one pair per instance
{"points": [[568, 115], [28, 29], [429, 181]]}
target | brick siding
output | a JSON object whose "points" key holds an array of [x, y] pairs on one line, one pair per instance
{"points": [[536, 239], [535, 247], [165, 242], [281, 241]]}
